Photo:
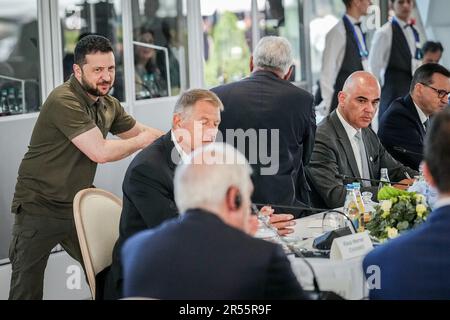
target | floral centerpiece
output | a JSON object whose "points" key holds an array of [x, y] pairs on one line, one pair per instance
{"points": [[397, 212]]}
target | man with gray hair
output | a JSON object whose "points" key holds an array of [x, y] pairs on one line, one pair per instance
{"points": [[207, 253], [274, 125], [148, 193]]}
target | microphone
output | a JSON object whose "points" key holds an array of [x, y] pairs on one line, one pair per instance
{"points": [[347, 177], [403, 150]]}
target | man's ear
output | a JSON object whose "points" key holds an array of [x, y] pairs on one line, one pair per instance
{"points": [[341, 97], [77, 70], [176, 121], [427, 174], [252, 66], [288, 75]]}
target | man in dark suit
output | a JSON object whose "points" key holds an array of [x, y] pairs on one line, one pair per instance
{"points": [[403, 126], [208, 252], [415, 265], [148, 198], [346, 145], [277, 117]]}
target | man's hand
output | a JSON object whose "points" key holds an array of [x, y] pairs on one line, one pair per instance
{"points": [[407, 182], [283, 222]]}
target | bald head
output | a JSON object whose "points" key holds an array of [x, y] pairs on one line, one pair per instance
{"points": [[359, 99]]}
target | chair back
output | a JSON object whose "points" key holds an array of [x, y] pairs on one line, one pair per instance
{"points": [[97, 217]]}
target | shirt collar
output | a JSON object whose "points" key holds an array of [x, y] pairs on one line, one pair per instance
{"points": [[353, 20], [401, 22], [351, 132], [442, 202], [184, 156], [423, 117]]}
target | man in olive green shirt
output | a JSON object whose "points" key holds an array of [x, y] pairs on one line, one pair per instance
{"points": [[68, 141]]}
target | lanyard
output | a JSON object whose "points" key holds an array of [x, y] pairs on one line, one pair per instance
{"points": [[419, 54], [363, 53]]}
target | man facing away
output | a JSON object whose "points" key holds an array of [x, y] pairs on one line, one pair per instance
{"points": [[148, 194], [345, 52], [347, 149], [272, 122], [207, 252], [415, 265], [68, 141], [403, 126]]}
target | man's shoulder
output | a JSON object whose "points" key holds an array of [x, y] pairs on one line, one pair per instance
{"points": [[63, 94], [153, 157]]}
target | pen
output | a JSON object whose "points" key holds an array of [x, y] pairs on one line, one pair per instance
{"points": [[407, 175]]}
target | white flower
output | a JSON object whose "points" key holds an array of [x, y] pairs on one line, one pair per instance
{"points": [[420, 198], [386, 205], [392, 232], [421, 209]]}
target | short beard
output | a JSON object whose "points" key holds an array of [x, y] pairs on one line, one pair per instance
{"points": [[92, 90]]}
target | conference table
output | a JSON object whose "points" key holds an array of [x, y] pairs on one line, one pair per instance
{"points": [[344, 277]]}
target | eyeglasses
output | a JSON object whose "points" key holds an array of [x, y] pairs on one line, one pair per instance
{"points": [[441, 93]]}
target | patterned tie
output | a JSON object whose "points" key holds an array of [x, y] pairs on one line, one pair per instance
{"points": [[426, 124], [364, 163]]}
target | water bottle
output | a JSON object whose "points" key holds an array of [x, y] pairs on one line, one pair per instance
{"points": [[384, 178], [361, 207], [351, 206]]}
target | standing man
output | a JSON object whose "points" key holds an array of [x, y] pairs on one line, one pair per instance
{"points": [[395, 54], [267, 102], [345, 52], [346, 147], [68, 141], [415, 265], [403, 126]]}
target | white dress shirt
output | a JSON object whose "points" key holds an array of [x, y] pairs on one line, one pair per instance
{"points": [[351, 132], [442, 202], [380, 50], [184, 156], [332, 59], [423, 117]]}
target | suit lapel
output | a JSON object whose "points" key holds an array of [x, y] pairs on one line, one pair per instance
{"points": [[409, 104], [371, 150], [345, 143], [172, 156]]}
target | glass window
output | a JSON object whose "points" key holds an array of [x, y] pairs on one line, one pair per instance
{"points": [[282, 18], [227, 40], [160, 47], [20, 90], [79, 18]]}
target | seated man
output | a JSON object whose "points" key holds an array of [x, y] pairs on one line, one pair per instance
{"points": [[148, 198], [207, 253], [403, 126], [415, 265], [346, 146]]}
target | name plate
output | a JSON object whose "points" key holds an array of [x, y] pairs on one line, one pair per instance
{"points": [[351, 246]]}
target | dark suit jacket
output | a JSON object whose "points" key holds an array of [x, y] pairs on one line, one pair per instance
{"points": [[400, 128], [198, 256], [333, 155], [148, 200], [264, 101], [415, 265]]}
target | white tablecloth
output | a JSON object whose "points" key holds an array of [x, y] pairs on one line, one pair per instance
{"points": [[346, 278]]}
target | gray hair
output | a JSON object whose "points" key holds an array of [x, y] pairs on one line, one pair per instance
{"points": [[187, 100], [212, 170], [273, 53]]}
